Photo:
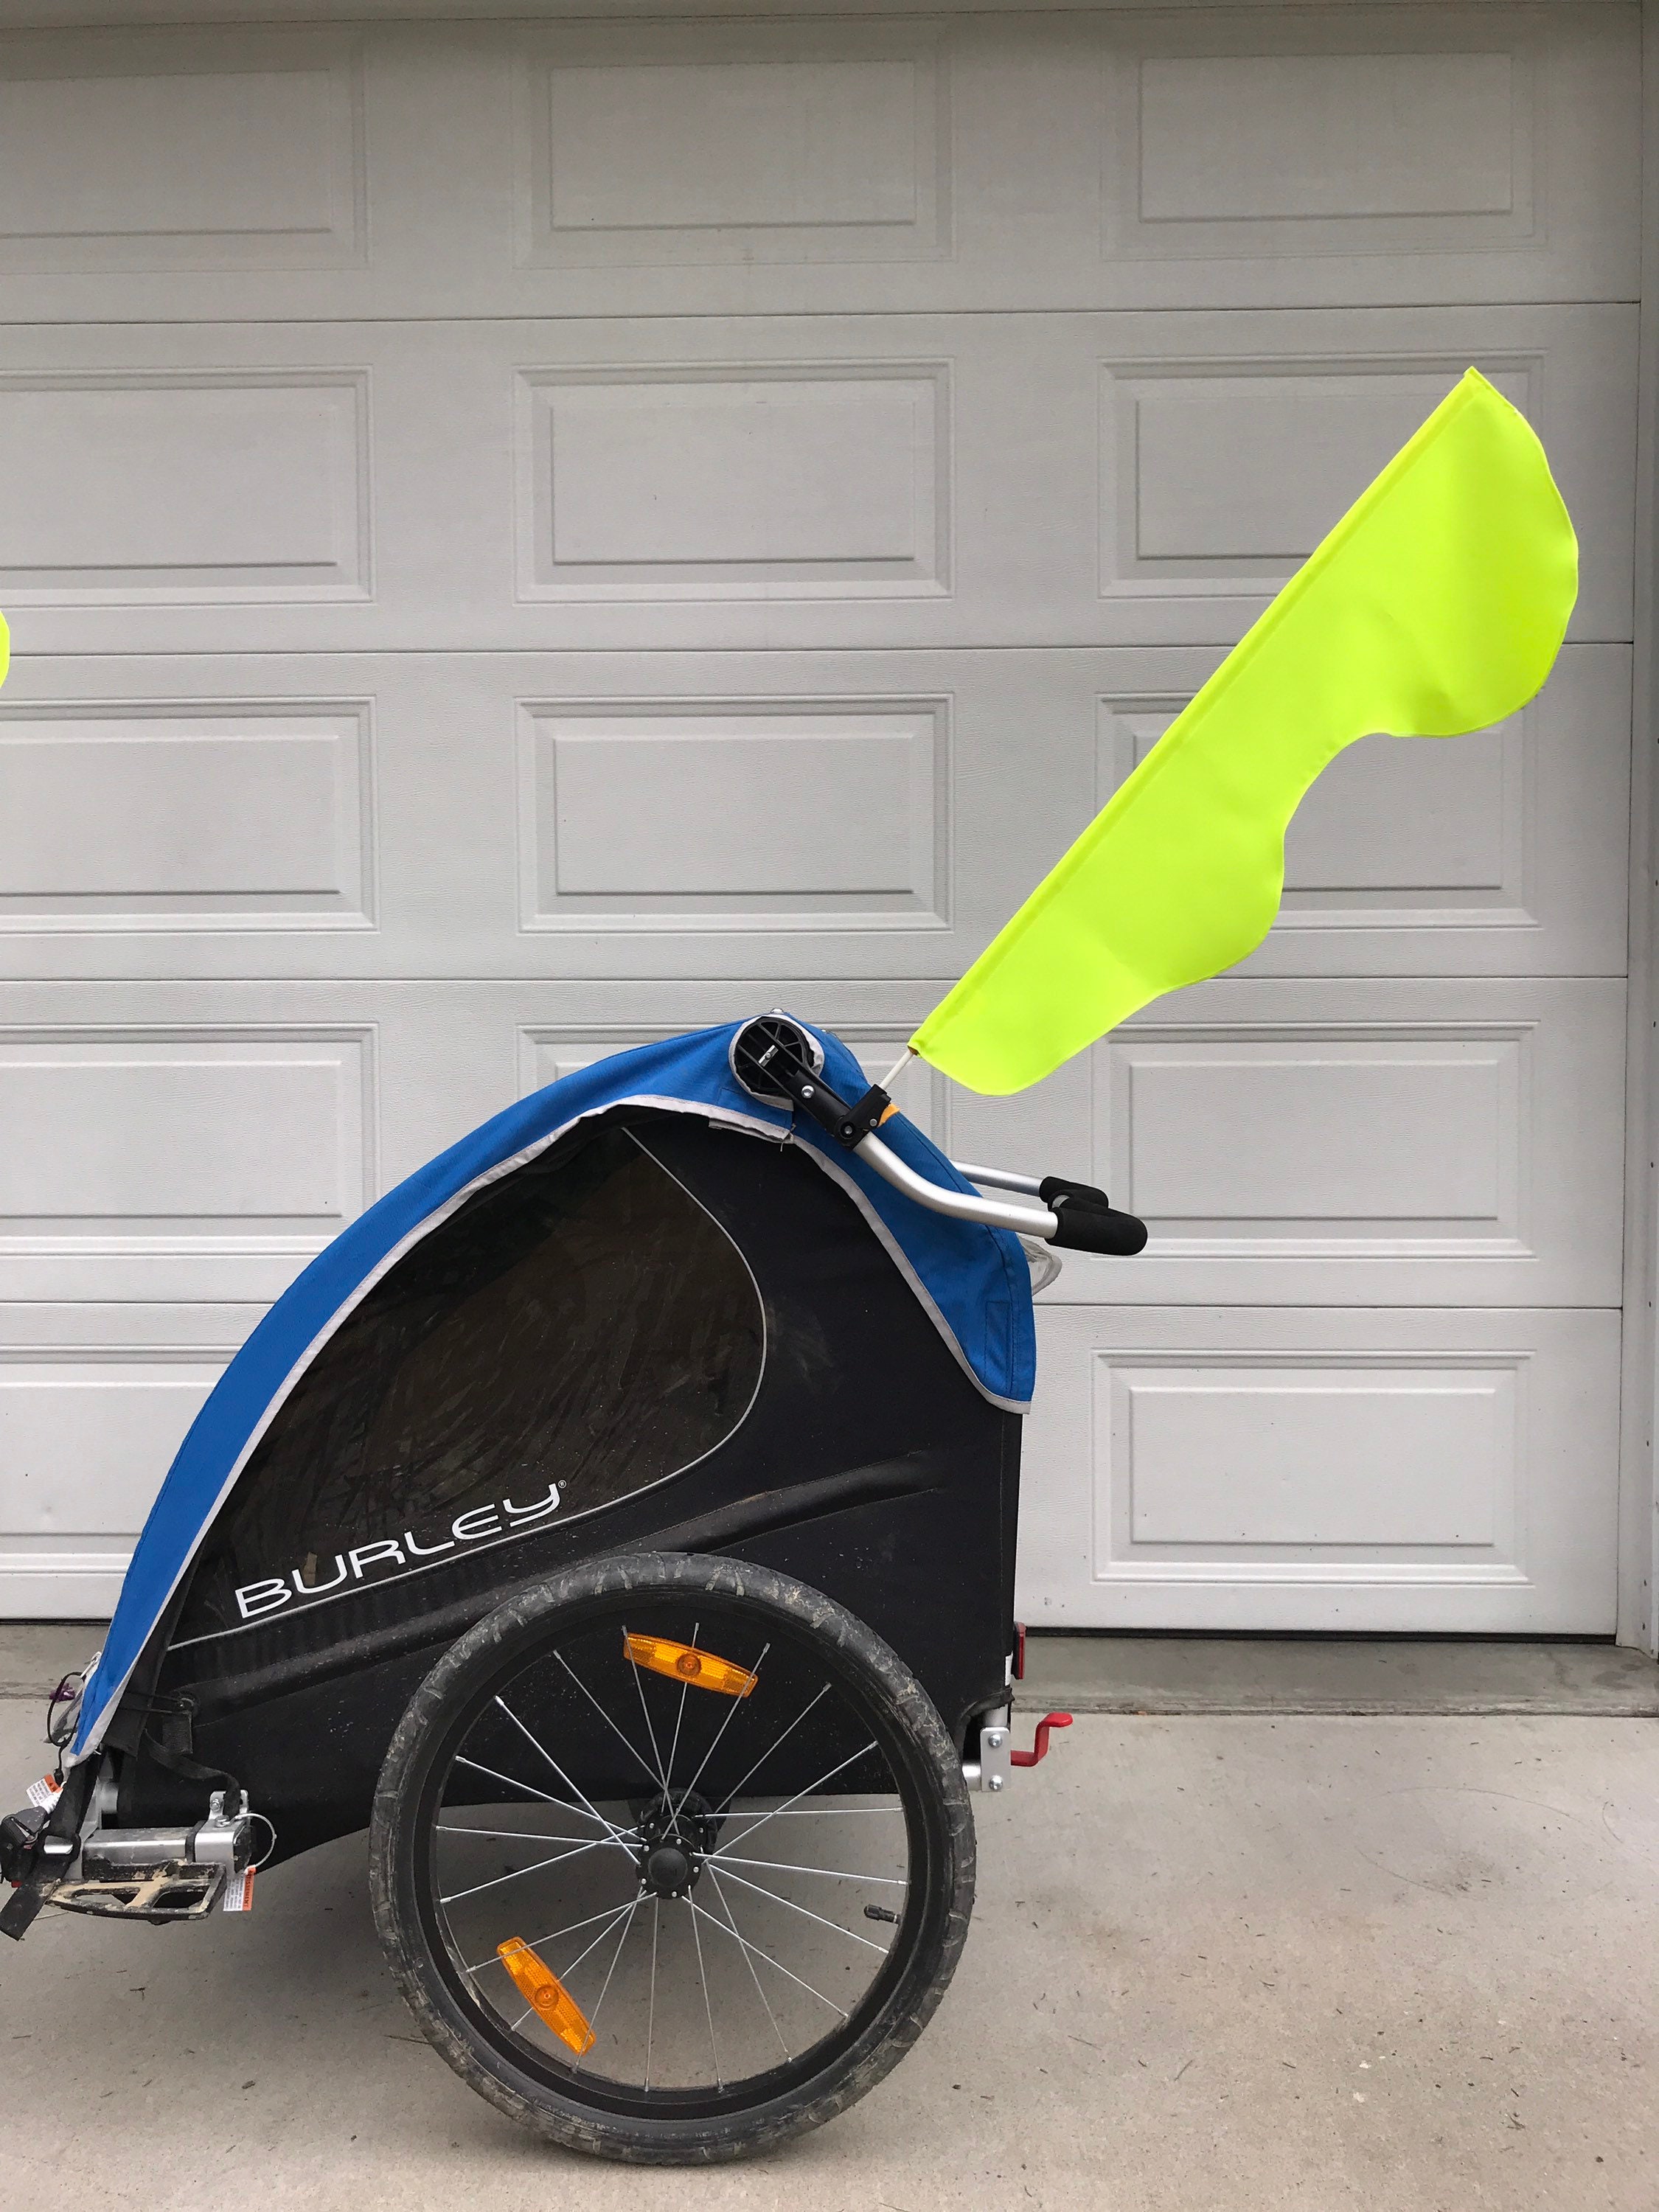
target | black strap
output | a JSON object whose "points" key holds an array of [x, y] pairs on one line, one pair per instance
{"points": [[168, 1737]]}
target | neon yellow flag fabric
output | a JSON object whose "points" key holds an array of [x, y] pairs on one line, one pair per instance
{"points": [[1436, 605]]}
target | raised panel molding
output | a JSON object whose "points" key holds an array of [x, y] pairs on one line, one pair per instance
{"points": [[179, 1163], [801, 480], [765, 143], [172, 149], [178, 487], [745, 814], [1218, 472], [1321, 135], [1320, 1466], [1341, 1140], [122, 815], [1365, 1142], [982, 161], [1429, 1469]]}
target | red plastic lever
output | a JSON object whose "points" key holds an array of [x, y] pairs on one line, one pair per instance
{"points": [[1040, 1749]]}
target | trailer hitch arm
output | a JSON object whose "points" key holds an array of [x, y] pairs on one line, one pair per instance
{"points": [[1039, 1750]]}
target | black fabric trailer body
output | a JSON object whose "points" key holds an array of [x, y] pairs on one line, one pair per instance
{"points": [[691, 1334]]}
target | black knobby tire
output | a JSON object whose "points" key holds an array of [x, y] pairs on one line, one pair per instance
{"points": [[908, 1768]]}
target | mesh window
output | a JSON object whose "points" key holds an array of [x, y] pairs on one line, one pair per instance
{"points": [[584, 1322]]}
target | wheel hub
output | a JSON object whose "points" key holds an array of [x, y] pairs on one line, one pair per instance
{"points": [[674, 1840], [669, 1871]]}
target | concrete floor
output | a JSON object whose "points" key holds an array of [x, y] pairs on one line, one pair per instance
{"points": [[1331, 1674], [1401, 1963]]}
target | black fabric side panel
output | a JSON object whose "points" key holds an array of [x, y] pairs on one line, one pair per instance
{"points": [[726, 1530], [868, 1466]]}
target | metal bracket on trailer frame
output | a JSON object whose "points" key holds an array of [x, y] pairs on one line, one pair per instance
{"points": [[992, 1769]]}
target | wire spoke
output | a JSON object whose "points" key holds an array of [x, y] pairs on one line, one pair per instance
{"points": [[593, 2020], [767, 1955], [594, 1843], [720, 1731], [666, 1753], [731, 1794], [651, 2015], [778, 1898], [638, 1674], [552, 1935], [632, 1750], [588, 1805], [790, 1811], [812, 1786], [674, 1748], [829, 1874], [597, 1940], [754, 1971], [514, 1835], [719, 2078], [513, 1782]]}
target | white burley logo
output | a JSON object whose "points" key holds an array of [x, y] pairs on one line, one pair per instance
{"points": [[482, 1524]]}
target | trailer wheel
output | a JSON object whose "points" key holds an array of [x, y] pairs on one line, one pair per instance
{"points": [[671, 1859]]}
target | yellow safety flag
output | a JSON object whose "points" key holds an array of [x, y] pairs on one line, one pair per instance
{"points": [[1436, 605]]}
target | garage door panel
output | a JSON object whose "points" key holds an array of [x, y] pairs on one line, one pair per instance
{"points": [[786, 816], [176, 815], [1413, 1470], [1359, 156], [526, 537], [149, 1161], [201, 150], [738, 812], [94, 1401], [1226, 461], [131, 488], [649, 146], [1307, 142], [1350, 1142], [357, 815], [846, 482], [84, 1442], [661, 484]]}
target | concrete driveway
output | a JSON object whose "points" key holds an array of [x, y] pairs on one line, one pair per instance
{"points": [[1405, 1964]]}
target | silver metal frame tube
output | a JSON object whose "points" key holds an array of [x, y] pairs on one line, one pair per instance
{"points": [[999, 1179], [959, 1205]]}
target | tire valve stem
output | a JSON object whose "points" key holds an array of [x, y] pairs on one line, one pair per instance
{"points": [[880, 1913]]}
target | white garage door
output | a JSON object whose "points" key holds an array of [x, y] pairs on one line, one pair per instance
{"points": [[520, 539]]}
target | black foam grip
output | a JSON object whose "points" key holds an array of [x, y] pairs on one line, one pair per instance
{"points": [[1084, 1228]]}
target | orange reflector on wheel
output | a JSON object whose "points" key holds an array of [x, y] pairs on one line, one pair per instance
{"points": [[684, 1662], [553, 2005]]}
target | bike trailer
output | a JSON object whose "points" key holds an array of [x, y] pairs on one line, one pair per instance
{"points": [[618, 1520]]}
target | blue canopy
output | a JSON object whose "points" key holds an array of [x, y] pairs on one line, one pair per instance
{"points": [[973, 1282]]}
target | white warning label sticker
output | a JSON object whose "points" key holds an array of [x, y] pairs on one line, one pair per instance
{"points": [[44, 1793], [238, 1892]]}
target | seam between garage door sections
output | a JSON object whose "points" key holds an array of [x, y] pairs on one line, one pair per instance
{"points": [[461, 321], [424, 1228]]}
